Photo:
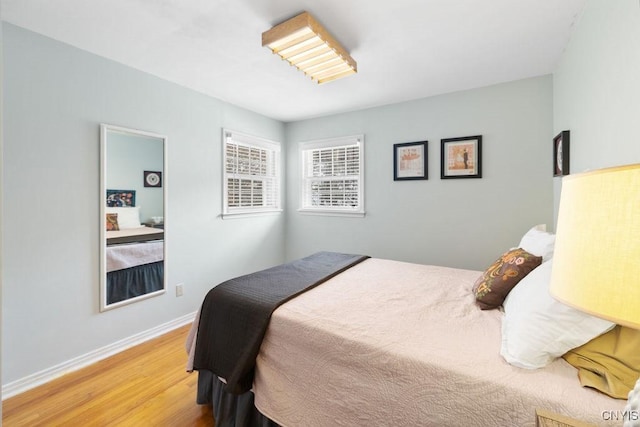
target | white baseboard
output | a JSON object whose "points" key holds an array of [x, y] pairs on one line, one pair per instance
{"points": [[44, 376]]}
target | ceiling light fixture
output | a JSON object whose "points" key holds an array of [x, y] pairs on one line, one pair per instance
{"points": [[304, 43]]}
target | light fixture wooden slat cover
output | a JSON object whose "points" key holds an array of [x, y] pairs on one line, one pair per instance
{"points": [[292, 41]]}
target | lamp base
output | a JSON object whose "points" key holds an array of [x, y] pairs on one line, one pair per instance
{"points": [[632, 410]]}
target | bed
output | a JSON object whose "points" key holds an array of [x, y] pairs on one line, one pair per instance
{"points": [[135, 262], [136, 234], [393, 343]]}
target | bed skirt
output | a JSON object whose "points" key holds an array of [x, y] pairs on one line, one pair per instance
{"points": [[229, 410], [135, 281]]}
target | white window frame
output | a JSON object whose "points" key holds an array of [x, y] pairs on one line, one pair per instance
{"points": [[307, 178], [273, 174]]}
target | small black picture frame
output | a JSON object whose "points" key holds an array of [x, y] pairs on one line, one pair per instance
{"points": [[561, 153], [410, 161], [152, 179], [461, 157]]}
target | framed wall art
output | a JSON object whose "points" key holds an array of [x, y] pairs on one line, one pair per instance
{"points": [[410, 161], [461, 157], [121, 198], [561, 154], [152, 179]]}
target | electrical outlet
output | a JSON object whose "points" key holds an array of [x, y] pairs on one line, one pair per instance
{"points": [[179, 289]]}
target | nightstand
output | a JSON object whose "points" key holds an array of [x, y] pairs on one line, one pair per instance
{"points": [[551, 419], [153, 224]]}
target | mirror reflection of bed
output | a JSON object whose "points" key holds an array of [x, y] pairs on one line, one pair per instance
{"points": [[132, 211], [135, 262]]}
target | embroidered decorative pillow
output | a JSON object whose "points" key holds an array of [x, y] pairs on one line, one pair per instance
{"points": [[497, 281], [112, 222]]}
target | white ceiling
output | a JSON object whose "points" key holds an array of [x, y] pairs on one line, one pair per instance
{"points": [[405, 49]]}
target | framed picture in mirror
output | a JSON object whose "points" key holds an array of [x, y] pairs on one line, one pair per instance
{"points": [[121, 198], [153, 179]]}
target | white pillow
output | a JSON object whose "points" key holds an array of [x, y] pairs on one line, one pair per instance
{"points": [[536, 328], [127, 217], [539, 242]]}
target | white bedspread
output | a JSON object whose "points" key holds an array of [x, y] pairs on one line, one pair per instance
{"points": [[396, 344], [132, 254]]}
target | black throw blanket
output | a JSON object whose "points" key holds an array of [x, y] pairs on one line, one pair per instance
{"points": [[235, 314]]}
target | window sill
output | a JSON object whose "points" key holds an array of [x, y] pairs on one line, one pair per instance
{"points": [[321, 212], [238, 215]]}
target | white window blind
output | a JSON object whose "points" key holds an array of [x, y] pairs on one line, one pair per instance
{"points": [[332, 176], [251, 168]]}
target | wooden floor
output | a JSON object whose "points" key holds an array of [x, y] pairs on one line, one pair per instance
{"points": [[144, 386]]}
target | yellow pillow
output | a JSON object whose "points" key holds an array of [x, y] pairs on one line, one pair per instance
{"points": [[610, 362]]}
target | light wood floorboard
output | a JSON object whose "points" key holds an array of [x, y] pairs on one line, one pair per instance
{"points": [[143, 386]]}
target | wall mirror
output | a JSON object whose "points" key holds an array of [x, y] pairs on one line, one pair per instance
{"points": [[132, 215]]}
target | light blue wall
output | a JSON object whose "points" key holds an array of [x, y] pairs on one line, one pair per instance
{"points": [[55, 97], [597, 88], [464, 223]]}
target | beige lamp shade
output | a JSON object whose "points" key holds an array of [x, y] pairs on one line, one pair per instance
{"points": [[596, 265]]}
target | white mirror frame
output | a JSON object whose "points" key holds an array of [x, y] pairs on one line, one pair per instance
{"points": [[105, 129]]}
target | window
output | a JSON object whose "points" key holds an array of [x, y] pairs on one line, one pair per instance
{"points": [[333, 176], [251, 178]]}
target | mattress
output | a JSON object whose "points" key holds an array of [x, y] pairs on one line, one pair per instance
{"points": [[130, 255], [393, 343]]}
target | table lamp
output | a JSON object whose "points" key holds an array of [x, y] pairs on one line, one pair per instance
{"points": [[596, 265]]}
